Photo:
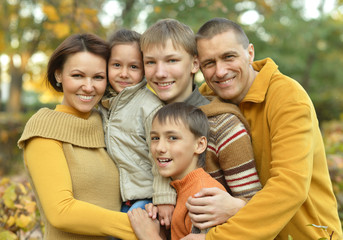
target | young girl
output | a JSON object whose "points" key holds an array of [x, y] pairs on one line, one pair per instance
{"points": [[127, 111]]}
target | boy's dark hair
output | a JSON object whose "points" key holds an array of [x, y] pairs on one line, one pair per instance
{"points": [[217, 26], [192, 117]]}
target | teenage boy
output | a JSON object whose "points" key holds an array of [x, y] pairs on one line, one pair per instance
{"points": [[178, 136], [170, 63], [288, 146]]}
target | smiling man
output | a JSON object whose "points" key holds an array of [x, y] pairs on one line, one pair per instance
{"points": [[287, 142]]}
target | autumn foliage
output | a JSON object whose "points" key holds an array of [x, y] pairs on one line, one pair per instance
{"points": [[19, 216]]}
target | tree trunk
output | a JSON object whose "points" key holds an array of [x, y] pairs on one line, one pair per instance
{"points": [[1, 105], [14, 105], [307, 72]]}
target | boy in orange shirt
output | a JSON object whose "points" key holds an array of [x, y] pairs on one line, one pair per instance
{"points": [[178, 135]]}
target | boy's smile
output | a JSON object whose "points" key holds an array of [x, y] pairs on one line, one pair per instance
{"points": [[174, 148]]}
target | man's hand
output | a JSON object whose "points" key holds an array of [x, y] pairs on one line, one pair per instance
{"points": [[165, 213], [212, 206]]}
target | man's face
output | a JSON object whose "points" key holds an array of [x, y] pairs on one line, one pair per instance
{"points": [[169, 71], [225, 64]]}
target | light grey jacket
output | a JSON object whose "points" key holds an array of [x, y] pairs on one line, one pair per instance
{"points": [[127, 120]]}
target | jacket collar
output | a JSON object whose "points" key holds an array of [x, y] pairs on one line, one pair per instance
{"points": [[125, 94], [258, 90]]}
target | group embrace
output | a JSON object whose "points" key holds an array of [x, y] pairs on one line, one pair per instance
{"points": [[137, 151]]}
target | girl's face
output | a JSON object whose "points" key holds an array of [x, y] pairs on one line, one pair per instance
{"points": [[125, 67], [83, 80]]}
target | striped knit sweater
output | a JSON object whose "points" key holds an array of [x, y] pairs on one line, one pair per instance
{"points": [[229, 157]]}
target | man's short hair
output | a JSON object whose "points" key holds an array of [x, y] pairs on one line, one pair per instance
{"points": [[217, 26], [192, 117]]}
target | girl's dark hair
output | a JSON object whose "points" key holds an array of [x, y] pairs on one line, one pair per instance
{"points": [[75, 43], [124, 36], [192, 117]]}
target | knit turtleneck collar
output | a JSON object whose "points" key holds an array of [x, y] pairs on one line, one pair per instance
{"points": [[184, 183], [65, 124], [73, 111]]}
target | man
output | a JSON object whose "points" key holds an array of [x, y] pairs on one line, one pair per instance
{"points": [[287, 142]]}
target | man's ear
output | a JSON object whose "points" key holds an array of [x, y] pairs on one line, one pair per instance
{"points": [[201, 145], [251, 53], [195, 64]]}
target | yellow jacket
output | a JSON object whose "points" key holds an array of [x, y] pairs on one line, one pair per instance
{"points": [[291, 163]]}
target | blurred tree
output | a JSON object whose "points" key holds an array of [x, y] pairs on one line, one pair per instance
{"points": [[308, 50], [29, 26]]}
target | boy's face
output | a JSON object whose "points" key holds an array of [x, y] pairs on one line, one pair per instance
{"points": [[175, 149], [125, 66], [169, 71]]}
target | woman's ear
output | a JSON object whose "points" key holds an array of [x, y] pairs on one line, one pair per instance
{"points": [[58, 76], [201, 145]]}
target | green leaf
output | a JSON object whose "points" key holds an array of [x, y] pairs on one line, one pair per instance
{"points": [[7, 235], [290, 237], [10, 196]]}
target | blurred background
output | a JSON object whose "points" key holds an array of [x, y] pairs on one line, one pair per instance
{"points": [[304, 37]]}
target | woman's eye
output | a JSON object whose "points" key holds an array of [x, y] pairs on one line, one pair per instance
{"points": [[76, 75]]}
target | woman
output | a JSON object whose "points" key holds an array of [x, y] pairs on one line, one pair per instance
{"points": [[74, 180]]}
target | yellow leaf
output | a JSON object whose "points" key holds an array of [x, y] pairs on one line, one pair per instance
{"points": [[22, 188], [157, 9], [90, 12], [30, 207], [24, 221], [4, 181], [61, 30], [51, 13], [10, 221]]}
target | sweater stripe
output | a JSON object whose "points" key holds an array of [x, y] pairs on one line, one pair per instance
{"points": [[227, 141], [241, 178]]}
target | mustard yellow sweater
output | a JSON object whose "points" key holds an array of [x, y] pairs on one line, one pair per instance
{"points": [[291, 162], [74, 180]]}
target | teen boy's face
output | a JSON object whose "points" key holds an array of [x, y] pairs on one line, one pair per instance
{"points": [[174, 148], [169, 71], [125, 66]]}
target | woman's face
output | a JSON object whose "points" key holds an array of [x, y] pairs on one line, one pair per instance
{"points": [[83, 80]]}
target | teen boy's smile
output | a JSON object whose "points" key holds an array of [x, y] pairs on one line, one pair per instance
{"points": [[169, 71]]}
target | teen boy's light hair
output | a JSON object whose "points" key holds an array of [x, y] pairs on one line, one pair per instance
{"points": [[163, 30]]}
